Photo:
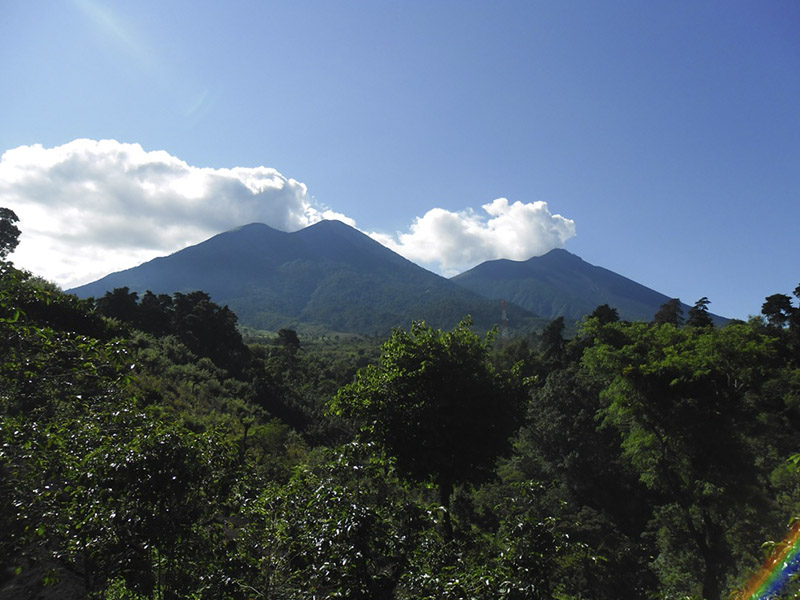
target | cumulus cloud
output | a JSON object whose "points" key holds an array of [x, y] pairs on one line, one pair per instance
{"points": [[88, 208], [451, 242], [91, 207]]}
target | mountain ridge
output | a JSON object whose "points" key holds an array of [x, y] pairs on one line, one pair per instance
{"points": [[328, 276], [560, 283]]}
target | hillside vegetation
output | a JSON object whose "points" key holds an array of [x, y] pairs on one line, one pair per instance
{"points": [[148, 450]]}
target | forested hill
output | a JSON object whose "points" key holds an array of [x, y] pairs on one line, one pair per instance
{"points": [[326, 277], [560, 284]]}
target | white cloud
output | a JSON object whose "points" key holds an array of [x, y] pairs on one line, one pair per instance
{"points": [[451, 242], [89, 208]]}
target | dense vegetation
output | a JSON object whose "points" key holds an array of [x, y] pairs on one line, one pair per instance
{"points": [[148, 450]]}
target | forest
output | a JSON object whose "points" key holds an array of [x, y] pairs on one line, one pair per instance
{"points": [[150, 448]]}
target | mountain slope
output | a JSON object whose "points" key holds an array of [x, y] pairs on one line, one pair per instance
{"points": [[328, 276], [562, 284]]}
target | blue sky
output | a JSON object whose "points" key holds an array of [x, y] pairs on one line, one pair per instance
{"points": [[664, 138]]}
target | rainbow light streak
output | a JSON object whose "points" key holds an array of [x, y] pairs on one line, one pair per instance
{"points": [[783, 563]]}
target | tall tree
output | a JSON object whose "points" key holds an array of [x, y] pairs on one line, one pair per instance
{"points": [[437, 405], [289, 341], [784, 319], [552, 344], [9, 232], [209, 329], [778, 309], [120, 303], [670, 312], [155, 313], [698, 314], [604, 314], [679, 398]]}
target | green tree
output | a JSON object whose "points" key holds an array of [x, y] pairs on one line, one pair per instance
{"points": [[698, 314], [209, 329], [784, 321], [517, 554], [596, 492], [9, 232], [552, 344], [155, 313], [604, 314], [436, 404], [120, 303], [339, 528], [670, 312], [289, 341], [681, 401], [778, 309]]}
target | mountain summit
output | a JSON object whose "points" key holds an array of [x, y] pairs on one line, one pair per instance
{"points": [[326, 277], [562, 284]]}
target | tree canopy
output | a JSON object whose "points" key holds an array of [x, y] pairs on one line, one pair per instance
{"points": [[436, 404], [9, 232], [670, 312]]}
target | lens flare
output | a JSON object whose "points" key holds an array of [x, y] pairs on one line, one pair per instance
{"points": [[781, 567]]}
